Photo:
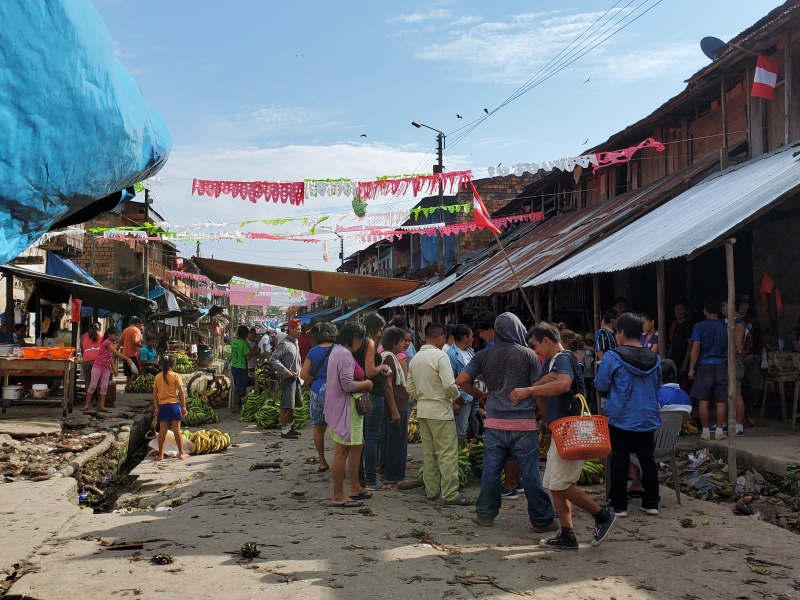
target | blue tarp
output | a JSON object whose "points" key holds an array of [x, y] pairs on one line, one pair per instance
{"points": [[153, 292], [64, 267], [318, 315], [77, 132], [344, 317]]}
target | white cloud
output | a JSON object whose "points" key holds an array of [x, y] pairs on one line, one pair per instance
{"points": [[287, 163], [634, 66], [419, 17]]}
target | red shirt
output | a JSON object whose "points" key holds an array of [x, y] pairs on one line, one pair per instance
{"points": [[305, 342]]}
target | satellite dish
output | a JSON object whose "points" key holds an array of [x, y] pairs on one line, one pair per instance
{"points": [[712, 47]]}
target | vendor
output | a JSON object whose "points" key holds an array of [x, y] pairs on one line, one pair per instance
{"points": [[90, 345], [148, 356], [19, 335]]}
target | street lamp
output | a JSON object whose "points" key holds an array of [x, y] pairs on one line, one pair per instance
{"points": [[440, 139]]}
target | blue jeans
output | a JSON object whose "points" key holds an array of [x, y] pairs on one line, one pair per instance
{"points": [[394, 446], [498, 447], [372, 432], [466, 416]]}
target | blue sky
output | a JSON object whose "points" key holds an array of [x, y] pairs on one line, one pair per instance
{"points": [[257, 90]]}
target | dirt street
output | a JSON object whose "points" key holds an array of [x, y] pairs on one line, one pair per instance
{"points": [[401, 547]]}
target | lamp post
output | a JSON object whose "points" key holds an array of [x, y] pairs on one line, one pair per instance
{"points": [[439, 168]]}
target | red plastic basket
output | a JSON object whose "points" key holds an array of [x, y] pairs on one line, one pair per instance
{"points": [[581, 438]]}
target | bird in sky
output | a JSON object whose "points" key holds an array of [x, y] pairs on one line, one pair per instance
{"points": [[459, 117], [587, 80], [486, 110], [363, 135], [586, 141]]}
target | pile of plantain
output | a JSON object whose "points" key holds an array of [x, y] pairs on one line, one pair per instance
{"points": [[183, 364], [594, 471], [208, 442], [216, 394], [464, 468], [199, 412], [264, 408], [475, 453], [414, 436], [143, 384]]}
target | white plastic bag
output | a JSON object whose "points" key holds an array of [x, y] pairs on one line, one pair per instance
{"points": [[170, 447]]}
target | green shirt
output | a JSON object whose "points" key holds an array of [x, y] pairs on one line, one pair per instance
{"points": [[239, 349]]}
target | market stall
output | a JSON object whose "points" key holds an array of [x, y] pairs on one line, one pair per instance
{"points": [[37, 368]]}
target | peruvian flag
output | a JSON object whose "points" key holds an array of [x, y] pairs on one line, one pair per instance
{"points": [[482, 218], [765, 78]]}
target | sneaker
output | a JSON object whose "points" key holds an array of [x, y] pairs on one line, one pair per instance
{"points": [[720, 436], [601, 530], [520, 488], [713, 429], [739, 432], [291, 435], [705, 436], [620, 513], [653, 512], [559, 542], [294, 431], [483, 521], [509, 495], [551, 526]]}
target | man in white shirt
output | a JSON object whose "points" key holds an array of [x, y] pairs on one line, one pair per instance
{"points": [[265, 343]]}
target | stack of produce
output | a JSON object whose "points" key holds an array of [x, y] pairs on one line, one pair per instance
{"points": [[208, 442], [143, 384], [183, 364], [216, 394], [464, 468], [264, 408], [475, 453], [594, 471], [251, 405], [199, 412], [414, 436]]}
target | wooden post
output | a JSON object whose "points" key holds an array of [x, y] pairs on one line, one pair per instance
{"points": [[457, 313], [732, 470], [37, 308], [496, 303], [787, 87], [550, 301], [537, 302], [724, 105], [596, 316], [9, 308], [662, 310]]}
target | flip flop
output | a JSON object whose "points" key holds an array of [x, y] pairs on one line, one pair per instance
{"points": [[348, 504], [362, 496], [103, 410], [323, 469], [84, 409], [460, 500]]}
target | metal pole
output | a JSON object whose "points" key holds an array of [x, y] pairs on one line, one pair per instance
{"points": [[732, 470], [146, 246], [516, 277], [662, 310], [440, 156]]}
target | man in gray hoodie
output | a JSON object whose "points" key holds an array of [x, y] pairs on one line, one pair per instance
{"points": [[511, 429]]}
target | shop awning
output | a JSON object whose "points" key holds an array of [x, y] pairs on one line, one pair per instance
{"points": [[694, 221], [64, 267], [346, 316], [153, 293], [423, 294], [320, 316], [59, 289], [339, 285], [560, 236]]}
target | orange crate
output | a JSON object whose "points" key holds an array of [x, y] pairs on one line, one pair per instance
{"points": [[35, 352]]}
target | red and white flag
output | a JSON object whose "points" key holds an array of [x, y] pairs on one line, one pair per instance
{"points": [[766, 77], [482, 218]]}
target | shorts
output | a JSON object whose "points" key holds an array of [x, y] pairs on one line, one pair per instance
{"points": [[291, 394], [560, 474], [169, 412], [710, 383], [317, 408], [356, 427], [126, 367], [239, 377]]}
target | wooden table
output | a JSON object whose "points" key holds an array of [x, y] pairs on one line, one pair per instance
{"points": [[42, 367]]}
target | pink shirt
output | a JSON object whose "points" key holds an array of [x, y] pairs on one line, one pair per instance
{"points": [[511, 424], [104, 355]]}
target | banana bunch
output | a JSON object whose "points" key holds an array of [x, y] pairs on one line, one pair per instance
{"points": [[268, 415], [464, 468], [216, 394], [186, 434], [414, 436], [302, 414], [594, 471], [199, 412], [542, 445], [183, 364], [689, 428], [475, 451], [211, 441], [250, 406], [143, 384]]}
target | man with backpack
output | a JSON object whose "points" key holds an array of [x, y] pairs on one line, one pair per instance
{"points": [[555, 394]]}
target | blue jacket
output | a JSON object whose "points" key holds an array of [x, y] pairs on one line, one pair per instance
{"points": [[629, 378], [458, 364]]}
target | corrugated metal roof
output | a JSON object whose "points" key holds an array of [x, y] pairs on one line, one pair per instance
{"points": [[692, 222], [422, 294], [562, 236]]}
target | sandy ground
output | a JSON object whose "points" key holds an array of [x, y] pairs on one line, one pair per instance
{"points": [[311, 551]]}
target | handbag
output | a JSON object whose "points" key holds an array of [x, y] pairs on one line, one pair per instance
{"points": [[363, 402], [582, 437]]}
